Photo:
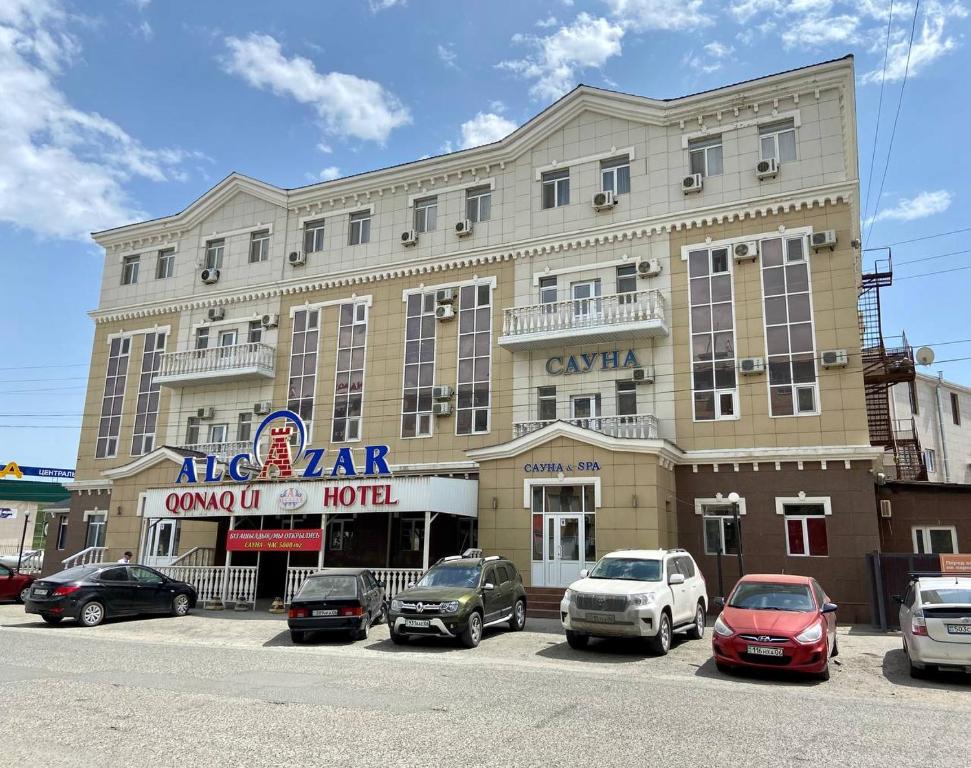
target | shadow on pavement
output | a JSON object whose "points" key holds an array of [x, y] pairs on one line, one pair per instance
{"points": [[328, 639], [762, 676], [604, 651], [896, 668]]}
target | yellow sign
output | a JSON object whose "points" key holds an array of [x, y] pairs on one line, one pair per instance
{"points": [[11, 469]]}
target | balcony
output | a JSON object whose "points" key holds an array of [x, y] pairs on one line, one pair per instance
{"points": [[643, 427], [598, 319], [207, 366], [222, 451]]}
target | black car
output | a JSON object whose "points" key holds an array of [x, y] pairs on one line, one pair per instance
{"points": [[335, 600], [91, 593]]}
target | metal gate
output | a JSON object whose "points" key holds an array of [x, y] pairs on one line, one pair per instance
{"points": [[889, 576]]}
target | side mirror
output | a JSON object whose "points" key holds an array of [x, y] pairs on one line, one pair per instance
{"points": [[488, 586], [676, 578], [829, 608], [718, 604], [584, 573], [898, 599]]}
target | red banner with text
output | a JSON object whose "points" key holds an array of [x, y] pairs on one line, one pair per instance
{"points": [[275, 540]]}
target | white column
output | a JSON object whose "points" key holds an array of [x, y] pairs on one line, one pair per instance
{"points": [[229, 559], [323, 541], [425, 538]]}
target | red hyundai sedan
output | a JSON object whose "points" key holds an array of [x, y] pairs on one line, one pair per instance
{"points": [[776, 621]]}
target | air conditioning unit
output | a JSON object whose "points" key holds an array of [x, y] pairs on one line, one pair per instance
{"points": [[649, 268], [885, 509], [442, 392], [262, 408], [463, 228], [297, 258], [643, 375], [692, 183], [767, 169], [445, 296], [216, 313], [442, 409], [746, 251], [206, 413], [444, 312], [409, 238], [824, 239], [749, 366], [209, 276], [604, 200], [270, 321], [833, 358]]}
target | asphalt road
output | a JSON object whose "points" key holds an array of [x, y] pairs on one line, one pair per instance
{"points": [[215, 690]]}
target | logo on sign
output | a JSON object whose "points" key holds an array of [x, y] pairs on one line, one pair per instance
{"points": [[7, 514], [291, 499]]}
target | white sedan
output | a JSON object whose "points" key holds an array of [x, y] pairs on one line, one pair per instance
{"points": [[935, 621]]}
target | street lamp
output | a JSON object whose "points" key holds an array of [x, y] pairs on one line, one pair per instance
{"points": [[733, 499]]}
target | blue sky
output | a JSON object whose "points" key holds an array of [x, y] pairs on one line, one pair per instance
{"points": [[119, 110]]}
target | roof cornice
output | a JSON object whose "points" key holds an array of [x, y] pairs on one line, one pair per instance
{"points": [[142, 463]]}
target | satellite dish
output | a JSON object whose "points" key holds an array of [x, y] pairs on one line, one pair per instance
{"points": [[925, 356]]}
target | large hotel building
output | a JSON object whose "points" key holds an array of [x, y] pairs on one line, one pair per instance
{"points": [[583, 337]]}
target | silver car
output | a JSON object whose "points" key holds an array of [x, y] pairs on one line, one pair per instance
{"points": [[935, 621]]}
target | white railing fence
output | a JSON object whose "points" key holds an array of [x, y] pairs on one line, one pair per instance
{"points": [[251, 355], [222, 451], [32, 562], [643, 427], [395, 579], [195, 556], [615, 308], [85, 557], [235, 584]]}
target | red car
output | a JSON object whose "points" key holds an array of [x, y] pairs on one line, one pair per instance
{"points": [[14, 586], [776, 621]]}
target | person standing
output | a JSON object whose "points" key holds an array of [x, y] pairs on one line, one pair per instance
{"points": [[126, 558]]}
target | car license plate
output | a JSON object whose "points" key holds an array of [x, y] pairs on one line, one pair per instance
{"points": [[761, 650], [328, 612], [959, 629], [600, 618], [38, 591], [418, 623]]}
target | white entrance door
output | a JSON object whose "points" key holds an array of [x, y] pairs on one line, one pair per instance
{"points": [[163, 543], [563, 533], [586, 300], [564, 538]]}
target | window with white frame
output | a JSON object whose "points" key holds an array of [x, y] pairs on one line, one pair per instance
{"points": [[547, 290], [789, 345], [303, 363], [349, 378], [705, 156], [805, 522], [778, 141], [546, 403], [586, 298], [254, 332], [626, 398], [214, 254], [313, 236], [340, 535], [930, 460], [615, 175], [109, 426], [259, 246], [97, 526], [935, 540], [244, 427], [129, 270], [360, 228], [218, 433], [62, 523], [473, 393], [426, 214], [720, 531], [411, 534], [556, 188], [478, 204], [419, 378], [146, 407], [202, 337], [165, 265], [627, 281], [712, 319], [192, 430]]}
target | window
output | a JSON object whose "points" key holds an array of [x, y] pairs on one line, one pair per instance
{"points": [[955, 408], [313, 236], [218, 433], [626, 398], [546, 403], [556, 188], [584, 410], [935, 541], [712, 335], [789, 327], [227, 338], [705, 156], [615, 175], [254, 332], [202, 337], [109, 426], [426, 214], [340, 535], [627, 279], [411, 534], [547, 290], [244, 427], [165, 266], [478, 204], [214, 254], [114, 574], [129, 270], [62, 531], [805, 527], [360, 228], [192, 431], [97, 522], [303, 363], [930, 460], [721, 534], [778, 141], [416, 395], [912, 393], [586, 299], [475, 359], [146, 407], [349, 379], [144, 576], [259, 246]]}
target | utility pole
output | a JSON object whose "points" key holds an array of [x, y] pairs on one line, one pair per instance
{"points": [[23, 535]]}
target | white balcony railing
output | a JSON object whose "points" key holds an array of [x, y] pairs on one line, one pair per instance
{"points": [[598, 319], [222, 451], [239, 361], [642, 427], [394, 579], [88, 556], [230, 584]]}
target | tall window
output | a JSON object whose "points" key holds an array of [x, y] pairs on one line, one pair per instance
{"points": [[218, 434], [626, 398], [615, 175], [192, 430], [244, 427], [547, 290], [478, 203], [788, 327], [930, 460], [627, 283], [202, 337], [146, 408], [416, 400], [411, 534], [475, 358], [341, 534], [546, 403], [778, 141], [129, 270], [254, 332], [941, 540], [303, 363], [426, 214], [721, 535], [165, 266], [955, 409], [259, 246], [712, 335], [214, 254], [62, 523], [705, 156], [109, 426], [313, 236], [805, 528], [360, 232], [556, 188], [349, 381], [97, 523]]}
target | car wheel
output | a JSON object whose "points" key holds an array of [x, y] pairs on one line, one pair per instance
{"points": [[918, 673], [697, 630], [92, 614], [661, 642], [473, 630], [363, 632], [518, 621], [180, 605], [52, 620], [723, 668], [297, 637], [824, 675], [383, 615], [577, 641], [836, 648], [24, 594], [396, 637]]}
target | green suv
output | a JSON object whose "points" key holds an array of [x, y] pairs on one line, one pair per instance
{"points": [[458, 597]]}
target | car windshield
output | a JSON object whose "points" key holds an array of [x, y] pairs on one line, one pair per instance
{"points": [[764, 596], [451, 576], [329, 588], [946, 595], [627, 569]]}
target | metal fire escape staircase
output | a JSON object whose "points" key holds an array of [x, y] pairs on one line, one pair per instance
{"points": [[884, 366]]}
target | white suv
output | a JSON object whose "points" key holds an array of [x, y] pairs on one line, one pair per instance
{"points": [[648, 593]]}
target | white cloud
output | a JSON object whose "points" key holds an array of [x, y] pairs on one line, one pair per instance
{"points": [[712, 58], [923, 205], [548, 22], [64, 169], [324, 147], [497, 106], [642, 15], [329, 173], [347, 105], [485, 128], [145, 30], [816, 31], [448, 55], [383, 5], [557, 59]]}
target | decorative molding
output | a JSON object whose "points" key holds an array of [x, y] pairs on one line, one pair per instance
{"points": [[88, 486], [558, 164], [205, 238], [336, 213], [718, 129], [144, 462], [474, 280], [366, 299], [475, 181]]}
